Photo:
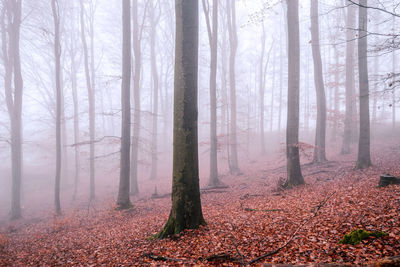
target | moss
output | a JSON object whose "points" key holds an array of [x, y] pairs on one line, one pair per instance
{"points": [[356, 236]]}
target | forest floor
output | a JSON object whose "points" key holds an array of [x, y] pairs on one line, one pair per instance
{"points": [[249, 219]]}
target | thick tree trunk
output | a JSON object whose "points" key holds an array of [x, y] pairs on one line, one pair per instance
{"points": [[186, 210], [350, 97], [10, 35], [134, 187], [57, 56], [394, 65], [154, 75], [364, 158], [212, 31], [262, 91], [123, 200], [320, 132], [294, 176], [233, 43]]}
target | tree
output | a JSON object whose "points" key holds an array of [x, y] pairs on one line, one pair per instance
{"points": [[57, 56], [349, 83], [294, 176], [89, 76], [320, 133], [10, 34], [154, 74], [186, 210], [123, 201], [212, 31], [233, 44], [136, 37], [364, 158]]}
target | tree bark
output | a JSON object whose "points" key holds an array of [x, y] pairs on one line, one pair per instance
{"points": [[364, 158], [350, 97], [57, 56], [294, 176], [11, 12], [186, 210], [123, 201], [320, 132]]}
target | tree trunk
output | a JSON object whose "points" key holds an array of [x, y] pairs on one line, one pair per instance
{"points": [[350, 98], [154, 75], [233, 43], [294, 176], [10, 34], [212, 31], [123, 201], [134, 187], [57, 56], [186, 210], [364, 158], [262, 90], [320, 132], [91, 101], [394, 64]]}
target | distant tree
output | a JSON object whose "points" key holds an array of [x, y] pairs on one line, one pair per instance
{"points": [[212, 30], [89, 76], [364, 158], [57, 56], [233, 44], [154, 19], [294, 176], [136, 37], [349, 83], [123, 201], [320, 132], [13, 86], [186, 210]]}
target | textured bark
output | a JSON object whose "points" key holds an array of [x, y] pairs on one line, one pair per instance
{"points": [[134, 187], [154, 75], [233, 43], [294, 176], [364, 158], [90, 89], [350, 97], [10, 35], [212, 31], [123, 200], [394, 65], [57, 56], [320, 132], [186, 210]]}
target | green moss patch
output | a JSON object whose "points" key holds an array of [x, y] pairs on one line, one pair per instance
{"points": [[356, 236]]}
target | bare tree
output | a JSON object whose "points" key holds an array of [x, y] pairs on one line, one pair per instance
{"points": [[123, 201], [364, 158], [212, 30], [57, 56], [186, 210], [154, 19], [10, 34], [320, 133], [233, 44], [294, 176], [350, 97], [89, 76]]}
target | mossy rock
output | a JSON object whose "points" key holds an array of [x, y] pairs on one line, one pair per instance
{"points": [[356, 236]]}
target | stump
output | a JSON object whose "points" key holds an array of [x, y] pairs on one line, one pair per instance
{"points": [[388, 179]]}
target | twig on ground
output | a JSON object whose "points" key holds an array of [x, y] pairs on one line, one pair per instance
{"points": [[160, 258], [316, 209]]}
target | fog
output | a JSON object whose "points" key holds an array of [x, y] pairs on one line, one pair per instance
{"points": [[91, 77]]}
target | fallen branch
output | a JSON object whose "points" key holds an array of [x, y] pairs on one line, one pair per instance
{"points": [[316, 209], [161, 258], [224, 256]]}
